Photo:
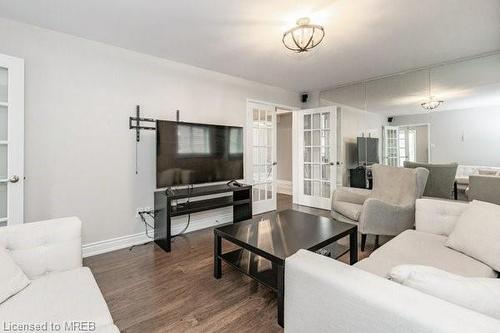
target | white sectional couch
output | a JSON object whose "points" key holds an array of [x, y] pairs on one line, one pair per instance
{"points": [[61, 291], [324, 295], [464, 171]]}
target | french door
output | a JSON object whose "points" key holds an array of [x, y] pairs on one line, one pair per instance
{"points": [[11, 140], [261, 166], [406, 143], [391, 145], [314, 158]]}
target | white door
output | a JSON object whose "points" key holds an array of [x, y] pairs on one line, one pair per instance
{"points": [[261, 164], [11, 140], [407, 144], [391, 145], [314, 158]]}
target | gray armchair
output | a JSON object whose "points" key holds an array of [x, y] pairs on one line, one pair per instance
{"points": [[388, 209], [484, 188], [441, 178]]}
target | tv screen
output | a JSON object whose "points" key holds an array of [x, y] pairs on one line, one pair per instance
{"points": [[367, 151], [190, 153]]}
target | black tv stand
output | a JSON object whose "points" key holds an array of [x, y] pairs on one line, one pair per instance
{"points": [[239, 197]]}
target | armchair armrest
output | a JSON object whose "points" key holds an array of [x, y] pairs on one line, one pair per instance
{"points": [[351, 194], [43, 247], [382, 218], [325, 295]]}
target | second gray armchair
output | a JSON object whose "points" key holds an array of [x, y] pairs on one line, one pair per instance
{"points": [[441, 178], [388, 209]]}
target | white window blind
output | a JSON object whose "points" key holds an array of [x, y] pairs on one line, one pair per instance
{"points": [[193, 140]]}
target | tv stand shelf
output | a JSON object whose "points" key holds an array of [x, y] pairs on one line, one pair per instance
{"points": [[166, 206], [201, 205]]}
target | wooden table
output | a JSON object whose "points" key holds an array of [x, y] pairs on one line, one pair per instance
{"points": [[265, 243]]}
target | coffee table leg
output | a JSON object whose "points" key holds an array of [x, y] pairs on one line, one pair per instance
{"points": [[353, 247], [217, 255], [281, 295]]}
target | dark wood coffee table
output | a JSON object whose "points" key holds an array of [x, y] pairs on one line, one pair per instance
{"points": [[267, 241]]}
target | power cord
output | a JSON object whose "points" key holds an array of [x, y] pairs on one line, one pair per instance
{"points": [[151, 214], [146, 224], [188, 204]]}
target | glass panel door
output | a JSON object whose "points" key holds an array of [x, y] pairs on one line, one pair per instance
{"points": [[4, 107], [391, 145], [11, 140], [316, 156], [403, 146], [262, 166]]}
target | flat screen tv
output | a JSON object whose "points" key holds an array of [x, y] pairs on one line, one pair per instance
{"points": [[367, 151], [191, 153]]}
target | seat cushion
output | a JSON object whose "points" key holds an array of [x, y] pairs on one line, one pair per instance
{"points": [[420, 248], [58, 298], [349, 210]]}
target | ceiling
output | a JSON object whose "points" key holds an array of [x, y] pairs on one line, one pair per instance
{"points": [[364, 38]]}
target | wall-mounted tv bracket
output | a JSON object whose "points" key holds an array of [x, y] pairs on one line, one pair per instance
{"points": [[135, 124], [138, 126]]}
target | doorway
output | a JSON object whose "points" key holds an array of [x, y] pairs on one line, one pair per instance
{"points": [[407, 143], [284, 179], [261, 162]]}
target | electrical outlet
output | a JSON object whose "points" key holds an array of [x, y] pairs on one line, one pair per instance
{"points": [[142, 209]]}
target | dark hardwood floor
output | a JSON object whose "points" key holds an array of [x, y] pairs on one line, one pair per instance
{"points": [[148, 290]]}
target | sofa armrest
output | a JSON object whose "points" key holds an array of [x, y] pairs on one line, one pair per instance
{"points": [[351, 195], [381, 218], [437, 216], [325, 295], [46, 246]]}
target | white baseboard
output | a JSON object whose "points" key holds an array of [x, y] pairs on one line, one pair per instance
{"points": [[284, 186], [199, 221], [113, 244]]}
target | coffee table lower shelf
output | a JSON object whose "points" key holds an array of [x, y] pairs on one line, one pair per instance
{"points": [[252, 265]]}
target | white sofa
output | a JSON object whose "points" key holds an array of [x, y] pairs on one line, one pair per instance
{"points": [[464, 171], [61, 291], [325, 295]]}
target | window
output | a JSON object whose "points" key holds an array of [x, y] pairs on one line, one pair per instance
{"points": [[193, 140], [235, 141]]}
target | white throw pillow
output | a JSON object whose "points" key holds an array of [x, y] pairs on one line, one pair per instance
{"points": [[477, 233], [12, 278], [478, 294]]}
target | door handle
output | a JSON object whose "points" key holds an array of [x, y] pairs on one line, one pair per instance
{"points": [[14, 179]]}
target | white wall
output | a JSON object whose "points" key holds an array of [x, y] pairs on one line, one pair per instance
{"points": [[80, 154], [422, 143], [284, 146], [469, 137]]}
